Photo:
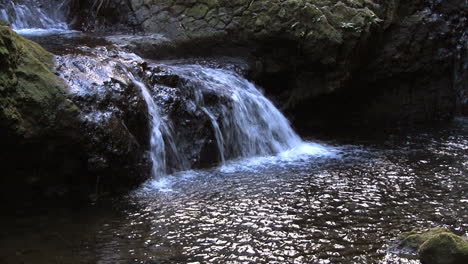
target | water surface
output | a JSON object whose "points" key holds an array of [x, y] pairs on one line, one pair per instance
{"points": [[327, 203]]}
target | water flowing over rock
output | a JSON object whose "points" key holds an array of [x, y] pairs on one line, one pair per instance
{"points": [[244, 122], [28, 16], [198, 116], [345, 62], [339, 62]]}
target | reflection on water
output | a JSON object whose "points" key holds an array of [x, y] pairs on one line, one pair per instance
{"points": [[344, 207]]}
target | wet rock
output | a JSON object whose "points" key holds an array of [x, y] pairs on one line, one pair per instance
{"points": [[113, 116], [57, 137], [191, 125], [346, 62]]}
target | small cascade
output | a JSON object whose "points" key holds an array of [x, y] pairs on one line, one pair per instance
{"points": [[200, 117], [245, 123], [157, 151], [161, 136], [35, 16], [91, 75]]}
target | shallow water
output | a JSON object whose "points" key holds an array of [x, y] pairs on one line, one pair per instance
{"points": [[325, 203]]}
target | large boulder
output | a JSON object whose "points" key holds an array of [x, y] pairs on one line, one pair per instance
{"points": [[33, 107], [56, 141]]}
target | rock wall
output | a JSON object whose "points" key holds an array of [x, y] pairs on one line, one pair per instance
{"points": [[322, 52]]}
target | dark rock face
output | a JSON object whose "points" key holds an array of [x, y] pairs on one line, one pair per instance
{"points": [[415, 71], [358, 62], [98, 15]]}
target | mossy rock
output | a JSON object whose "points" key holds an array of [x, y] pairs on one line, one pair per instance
{"points": [[30, 92], [415, 238], [4, 23], [436, 246], [444, 248]]}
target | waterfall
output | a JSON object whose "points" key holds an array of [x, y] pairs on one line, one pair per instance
{"points": [[157, 151], [243, 121], [161, 136], [246, 124], [35, 16], [206, 113]]}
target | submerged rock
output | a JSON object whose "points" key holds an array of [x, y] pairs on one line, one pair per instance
{"points": [[436, 246]]}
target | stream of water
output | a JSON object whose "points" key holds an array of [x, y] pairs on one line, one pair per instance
{"points": [[273, 198], [340, 203], [33, 17]]}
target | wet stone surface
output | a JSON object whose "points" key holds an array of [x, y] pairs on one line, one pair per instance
{"points": [[344, 203]]}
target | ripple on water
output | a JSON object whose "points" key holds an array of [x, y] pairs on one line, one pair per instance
{"points": [[347, 206]]}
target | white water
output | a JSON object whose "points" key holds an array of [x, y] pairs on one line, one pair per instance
{"points": [[250, 132], [299, 156], [157, 151], [248, 124], [30, 17]]}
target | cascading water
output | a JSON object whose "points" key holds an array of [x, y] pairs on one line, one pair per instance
{"points": [[157, 152], [242, 121], [35, 16], [246, 124]]}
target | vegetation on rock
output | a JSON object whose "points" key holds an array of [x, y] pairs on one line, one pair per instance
{"points": [[436, 246], [31, 94], [44, 123]]}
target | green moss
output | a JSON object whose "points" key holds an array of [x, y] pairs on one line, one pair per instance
{"points": [[29, 89], [444, 248], [436, 246], [4, 23], [415, 238], [198, 11], [262, 20]]}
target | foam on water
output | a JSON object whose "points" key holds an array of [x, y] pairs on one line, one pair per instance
{"points": [[43, 31], [293, 156], [296, 156]]}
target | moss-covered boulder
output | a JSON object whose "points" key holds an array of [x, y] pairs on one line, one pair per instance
{"points": [[32, 97], [38, 123], [436, 246]]}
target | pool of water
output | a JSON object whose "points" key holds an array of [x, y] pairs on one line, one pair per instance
{"points": [[338, 201]]}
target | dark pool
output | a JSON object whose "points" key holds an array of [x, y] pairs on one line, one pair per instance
{"points": [[346, 201]]}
